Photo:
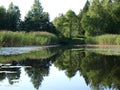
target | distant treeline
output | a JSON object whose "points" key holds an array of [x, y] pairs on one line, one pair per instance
{"points": [[97, 17], [35, 20]]}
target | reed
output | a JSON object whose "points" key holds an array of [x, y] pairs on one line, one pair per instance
{"points": [[8, 38], [108, 39]]}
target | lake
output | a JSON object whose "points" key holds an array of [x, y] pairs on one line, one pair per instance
{"points": [[60, 68]]}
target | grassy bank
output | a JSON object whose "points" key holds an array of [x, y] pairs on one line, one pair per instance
{"points": [[108, 39], [8, 38]]}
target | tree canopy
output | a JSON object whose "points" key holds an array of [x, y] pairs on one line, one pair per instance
{"points": [[13, 17], [97, 17], [102, 17], [35, 20], [67, 24]]}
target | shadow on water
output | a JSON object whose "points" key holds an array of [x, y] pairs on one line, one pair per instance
{"points": [[100, 71]]}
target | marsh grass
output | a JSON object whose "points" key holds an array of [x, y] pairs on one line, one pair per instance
{"points": [[8, 38], [109, 39]]}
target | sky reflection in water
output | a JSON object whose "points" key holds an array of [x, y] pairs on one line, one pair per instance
{"points": [[61, 69]]}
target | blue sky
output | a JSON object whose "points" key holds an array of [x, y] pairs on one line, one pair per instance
{"points": [[53, 7]]}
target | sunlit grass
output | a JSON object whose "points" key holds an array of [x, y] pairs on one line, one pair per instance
{"points": [[8, 38], [109, 39]]}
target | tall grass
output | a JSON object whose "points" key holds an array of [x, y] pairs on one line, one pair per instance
{"points": [[108, 39], [8, 38]]}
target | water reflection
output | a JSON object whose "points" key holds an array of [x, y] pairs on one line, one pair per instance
{"points": [[100, 71], [36, 66]]}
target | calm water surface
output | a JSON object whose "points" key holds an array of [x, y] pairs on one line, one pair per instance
{"points": [[75, 68]]}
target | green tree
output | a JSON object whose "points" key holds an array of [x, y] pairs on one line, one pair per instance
{"points": [[66, 24], [36, 19], [2, 18], [92, 20], [58, 22], [71, 22], [116, 16], [13, 17], [102, 17], [80, 16]]}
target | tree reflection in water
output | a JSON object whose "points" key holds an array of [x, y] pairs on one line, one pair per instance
{"points": [[36, 67], [99, 71], [40, 69]]}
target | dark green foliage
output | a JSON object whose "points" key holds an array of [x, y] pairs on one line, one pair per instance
{"points": [[80, 16], [59, 24], [96, 18], [35, 20], [10, 19], [103, 16], [35, 17], [71, 22], [13, 17], [2, 18], [67, 24]]}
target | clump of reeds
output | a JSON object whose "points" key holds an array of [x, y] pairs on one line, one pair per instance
{"points": [[8, 38], [108, 39]]}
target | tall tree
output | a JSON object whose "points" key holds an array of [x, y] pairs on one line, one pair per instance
{"points": [[71, 22], [2, 18], [93, 20], [36, 19], [13, 14], [66, 24], [116, 16], [59, 24], [102, 17], [80, 16]]}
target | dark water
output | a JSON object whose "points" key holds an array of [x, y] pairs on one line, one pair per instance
{"points": [[60, 69]]}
